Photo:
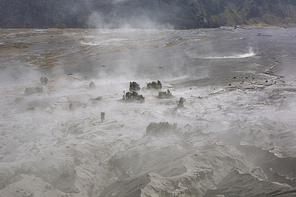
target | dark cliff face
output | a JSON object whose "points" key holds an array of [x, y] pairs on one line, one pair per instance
{"points": [[181, 14]]}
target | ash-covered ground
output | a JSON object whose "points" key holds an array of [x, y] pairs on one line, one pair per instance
{"points": [[233, 136]]}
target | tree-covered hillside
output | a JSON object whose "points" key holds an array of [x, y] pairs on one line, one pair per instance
{"points": [[181, 14]]}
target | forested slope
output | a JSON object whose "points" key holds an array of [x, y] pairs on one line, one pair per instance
{"points": [[181, 14]]}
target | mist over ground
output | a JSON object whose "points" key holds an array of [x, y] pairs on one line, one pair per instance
{"points": [[233, 136]]}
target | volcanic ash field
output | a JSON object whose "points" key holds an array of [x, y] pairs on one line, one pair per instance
{"points": [[128, 113]]}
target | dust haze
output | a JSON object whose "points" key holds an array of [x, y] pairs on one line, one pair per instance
{"points": [[233, 134]]}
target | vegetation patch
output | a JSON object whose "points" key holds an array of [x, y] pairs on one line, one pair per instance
{"points": [[133, 97], [165, 95], [154, 85], [134, 86], [181, 102]]}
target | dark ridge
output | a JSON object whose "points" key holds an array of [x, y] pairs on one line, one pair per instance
{"points": [[182, 14]]}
